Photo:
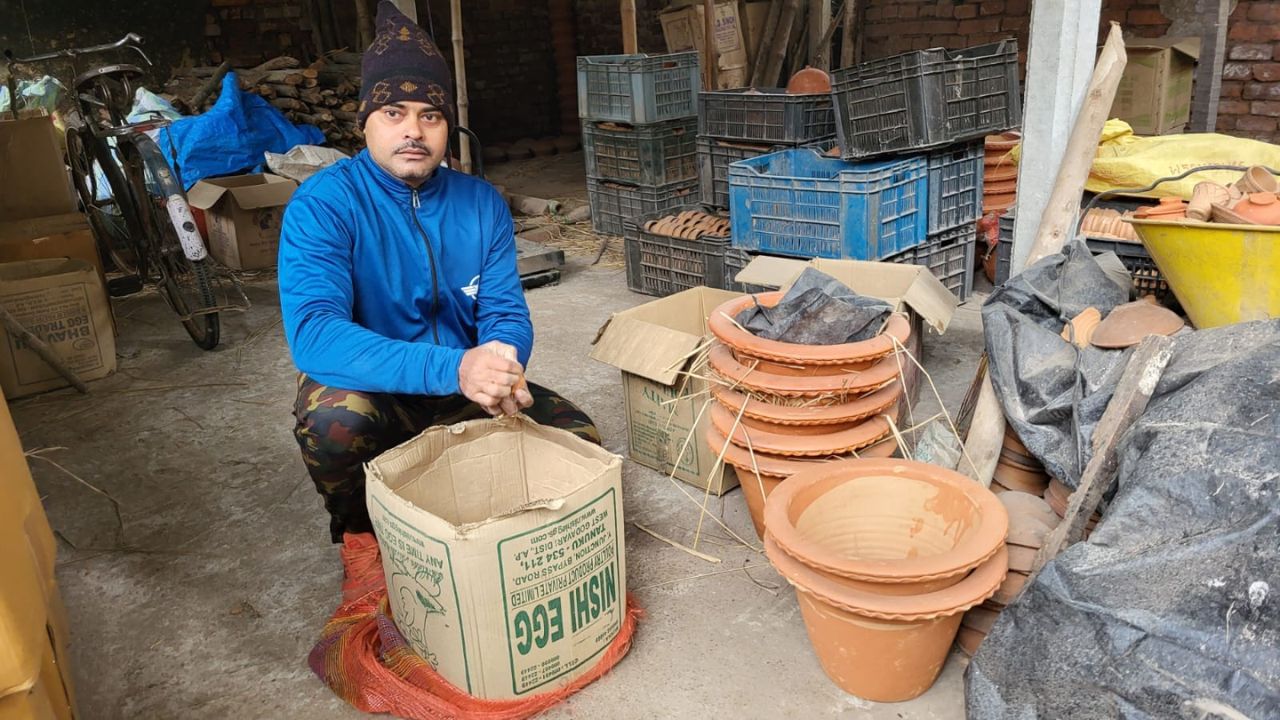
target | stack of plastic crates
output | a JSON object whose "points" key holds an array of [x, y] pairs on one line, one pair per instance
{"points": [[639, 134]]}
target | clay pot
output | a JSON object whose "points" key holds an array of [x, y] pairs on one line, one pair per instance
{"points": [[839, 386], [1000, 175], [1058, 496], [799, 440], [1030, 481], [981, 619], [1203, 197], [998, 202], [1020, 461], [811, 413], [809, 81], [750, 345], [877, 647], [1009, 589], [1013, 442], [969, 640], [1168, 209], [887, 521], [1257, 179], [1259, 208]]}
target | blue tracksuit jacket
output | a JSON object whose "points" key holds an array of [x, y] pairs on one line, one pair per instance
{"points": [[383, 287]]}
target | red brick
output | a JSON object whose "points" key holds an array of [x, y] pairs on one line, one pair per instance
{"points": [[873, 14], [935, 27], [1276, 52], [1250, 52], [946, 8], [1250, 123], [1264, 107], [1264, 72], [1267, 32], [1263, 11], [1146, 17], [993, 7], [1226, 123], [1238, 12], [1261, 91], [1233, 107], [909, 11], [1017, 7], [1232, 88], [1242, 32], [927, 11], [965, 12], [889, 12], [1237, 71]]}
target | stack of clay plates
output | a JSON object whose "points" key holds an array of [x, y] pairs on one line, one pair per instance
{"points": [[1017, 469], [690, 225], [1030, 520]]}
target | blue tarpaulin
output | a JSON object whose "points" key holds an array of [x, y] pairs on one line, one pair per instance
{"points": [[232, 137]]}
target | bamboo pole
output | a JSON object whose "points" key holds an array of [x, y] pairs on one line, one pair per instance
{"points": [[630, 41], [460, 69]]}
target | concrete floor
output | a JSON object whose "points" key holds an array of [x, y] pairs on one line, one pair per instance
{"points": [[206, 601]]}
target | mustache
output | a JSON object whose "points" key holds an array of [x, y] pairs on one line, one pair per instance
{"points": [[412, 145]]}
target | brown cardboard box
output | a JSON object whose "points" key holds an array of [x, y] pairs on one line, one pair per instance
{"points": [[502, 544], [62, 302], [243, 215], [55, 236], [35, 677], [684, 28], [32, 173], [653, 345], [1154, 95]]}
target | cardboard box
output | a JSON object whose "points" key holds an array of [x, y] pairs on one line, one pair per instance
{"points": [[502, 543], [653, 346], [35, 677], [62, 302], [243, 215], [684, 28], [55, 236], [32, 173], [1154, 95]]}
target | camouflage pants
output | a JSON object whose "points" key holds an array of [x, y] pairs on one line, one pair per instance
{"points": [[340, 430]]}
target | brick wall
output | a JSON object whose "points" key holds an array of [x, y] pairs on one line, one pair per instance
{"points": [[600, 26], [246, 32], [1250, 105]]}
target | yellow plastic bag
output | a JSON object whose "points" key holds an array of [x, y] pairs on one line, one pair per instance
{"points": [[1125, 160]]}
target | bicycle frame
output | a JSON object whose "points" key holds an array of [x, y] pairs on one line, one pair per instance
{"points": [[129, 42]]}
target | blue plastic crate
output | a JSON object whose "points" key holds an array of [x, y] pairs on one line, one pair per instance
{"points": [[638, 89], [803, 204]]}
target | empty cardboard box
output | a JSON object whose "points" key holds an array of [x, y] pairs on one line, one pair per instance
{"points": [[32, 173], [242, 216], [1154, 95]]}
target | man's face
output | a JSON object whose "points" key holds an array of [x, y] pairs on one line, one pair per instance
{"points": [[407, 139]]}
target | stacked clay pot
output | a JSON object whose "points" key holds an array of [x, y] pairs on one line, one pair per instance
{"points": [[1030, 521], [782, 407], [1017, 469], [999, 173], [886, 556]]}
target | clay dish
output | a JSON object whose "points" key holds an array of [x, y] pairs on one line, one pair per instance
{"points": [[812, 414], [1128, 324], [1081, 327], [739, 339], [801, 440], [724, 364], [1031, 481]]}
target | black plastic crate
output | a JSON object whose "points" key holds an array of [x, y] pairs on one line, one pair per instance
{"points": [[1147, 279], [612, 203], [927, 98], [955, 186], [714, 157], [661, 265], [949, 255], [734, 262], [655, 154], [770, 115], [638, 88]]}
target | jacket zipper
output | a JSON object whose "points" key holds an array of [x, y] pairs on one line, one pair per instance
{"points": [[435, 286]]}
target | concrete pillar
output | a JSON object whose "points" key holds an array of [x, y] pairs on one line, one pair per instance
{"points": [[1063, 45]]}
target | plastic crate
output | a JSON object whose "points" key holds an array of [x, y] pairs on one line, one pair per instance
{"points": [[654, 154], [801, 204], [612, 203], [714, 158], [927, 98], [949, 255], [734, 262], [1147, 279], [769, 115], [661, 265], [955, 186], [638, 89]]}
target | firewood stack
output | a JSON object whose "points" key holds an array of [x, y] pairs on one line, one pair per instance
{"points": [[325, 93]]}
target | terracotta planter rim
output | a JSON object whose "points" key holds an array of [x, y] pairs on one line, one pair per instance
{"points": [[853, 383], [864, 434], [970, 592], [757, 347], [775, 465], [968, 553], [852, 410]]}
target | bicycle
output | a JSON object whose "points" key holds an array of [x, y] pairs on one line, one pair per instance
{"points": [[141, 220]]}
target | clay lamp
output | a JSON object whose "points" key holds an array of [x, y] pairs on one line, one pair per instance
{"points": [[809, 81]]}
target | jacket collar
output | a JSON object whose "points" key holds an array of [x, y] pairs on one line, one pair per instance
{"points": [[394, 186]]}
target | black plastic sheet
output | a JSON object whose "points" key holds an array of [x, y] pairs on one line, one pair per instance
{"points": [[1171, 609], [817, 310]]}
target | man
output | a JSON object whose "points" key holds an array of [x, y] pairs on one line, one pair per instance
{"points": [[398, 285]]}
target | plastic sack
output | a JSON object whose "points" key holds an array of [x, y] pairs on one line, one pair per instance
{"points": [[1125, 160], [232, 136], [146, 104], [303, 161], [43, 93], [1169, 609]]}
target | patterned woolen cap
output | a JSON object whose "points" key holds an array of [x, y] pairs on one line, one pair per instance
{"points": [[403, 64]]}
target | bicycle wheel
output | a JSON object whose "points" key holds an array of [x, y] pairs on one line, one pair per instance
{"points": [[187, 285], [112, 218]]}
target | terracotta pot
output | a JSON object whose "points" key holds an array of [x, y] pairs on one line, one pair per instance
{"points": [[799, 440], [750, 345], [1022, 462], [1004, 142], [1031, 481], [811, 412], [1259, 208], [877, 647], [1058, 496], [969, 640], [1203, 197], [1007, 187], [981, 619], [1013, 442], [1009, 589], [887, 521], [998, 174], [759, 473], [1027, 531], [809, 81], [793, 370], [1128, 324], [1021, 559], [840, 386], [996, 203], [1257, 179]]}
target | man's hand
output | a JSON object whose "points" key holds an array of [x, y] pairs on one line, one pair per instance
{"points": [[491, 377]]}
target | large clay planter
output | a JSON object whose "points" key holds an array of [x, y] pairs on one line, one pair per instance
{"points": [[839, 386], [747, 345], [878, 647], [799, 440], [813, 413], [759, 473], [902, 525]]}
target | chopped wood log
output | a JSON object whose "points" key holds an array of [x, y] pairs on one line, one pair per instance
{"points": [[343, 57], [289, 104], [348, 107], [215, 81], [345, 115], [281, 90], [311, 96]]}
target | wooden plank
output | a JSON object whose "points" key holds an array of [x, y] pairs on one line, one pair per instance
{"points": [[1129, 402], [986, 436], [820, 29], [848, 39], [630, 43], [767, 39]]}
